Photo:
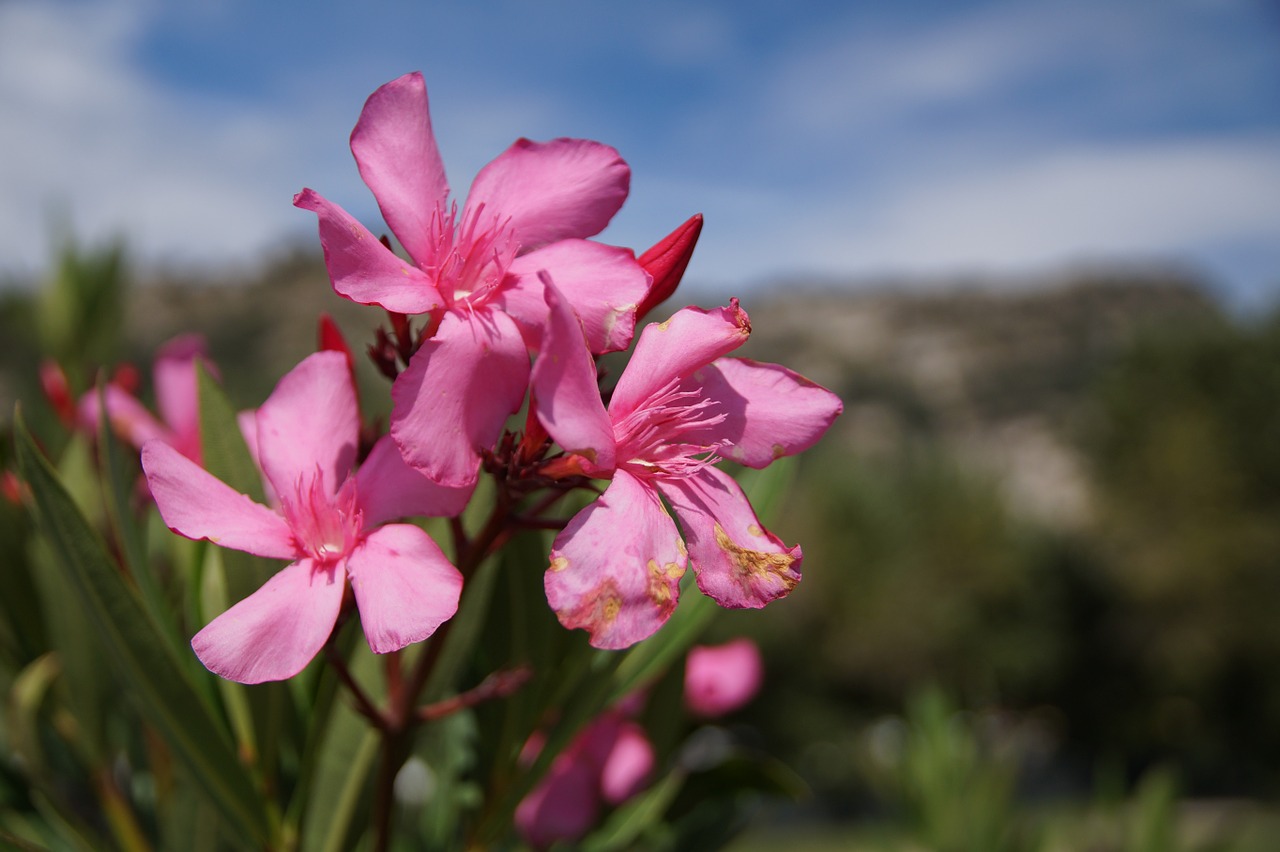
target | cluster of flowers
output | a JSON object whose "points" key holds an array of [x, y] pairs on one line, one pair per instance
{"points": [[516, 305]]}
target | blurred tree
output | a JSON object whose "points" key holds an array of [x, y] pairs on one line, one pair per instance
{"points": [[1185, 447]]}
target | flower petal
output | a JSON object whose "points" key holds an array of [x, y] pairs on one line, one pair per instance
{"points": [[738, 562], [388, 489], [405, 587], [769, 410], [364, 270], [454, 397], [129, 417], [196, 504], [553, 190], [629, 765], [719, 679], [615, 569], [176, 394], [310, 422], [277, 630], [601, 283], [565, 387], [692, 338], [563, 806], [395, 150]]}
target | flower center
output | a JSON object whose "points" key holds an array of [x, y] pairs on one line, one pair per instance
{"points": [[324, 528], [661, 437], [468, 259]]}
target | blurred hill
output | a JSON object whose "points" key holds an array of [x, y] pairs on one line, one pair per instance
{"points": [[997, 377]]}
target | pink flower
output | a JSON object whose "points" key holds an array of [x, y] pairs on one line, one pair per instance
{"points": [[528, 210], [677, 410], [719, 679], [174, 379], [326, 523], [608, 762]]}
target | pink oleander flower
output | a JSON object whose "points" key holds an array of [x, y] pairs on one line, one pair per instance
{"points": [[678, 409], [330, 524], [174, 380], [607, 763], [528, 210], [719, 679]]}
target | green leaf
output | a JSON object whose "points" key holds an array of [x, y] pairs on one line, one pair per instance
{"points": [[148, 671], [226, 455], [118, 486], [25, 699], [336, 799], [633, 818]]}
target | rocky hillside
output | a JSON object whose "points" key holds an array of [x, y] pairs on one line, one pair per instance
{"points": [[996, 375]]}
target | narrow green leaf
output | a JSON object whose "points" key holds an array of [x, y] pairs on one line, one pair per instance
{"points": [[148, 670], [85, 685], [22, 630], [316, 707], [337, 798], [226, 455], [631, 820], [22, 719], [118, 484], [213, 596]]}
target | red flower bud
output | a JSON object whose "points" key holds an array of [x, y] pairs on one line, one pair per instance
{"points": [[667, 261]]}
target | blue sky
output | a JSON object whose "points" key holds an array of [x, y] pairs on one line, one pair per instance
{"points": [[840, 139]]}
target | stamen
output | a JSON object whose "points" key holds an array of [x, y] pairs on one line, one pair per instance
{"points": [[469, 259], [325, 528], [649, 438]]}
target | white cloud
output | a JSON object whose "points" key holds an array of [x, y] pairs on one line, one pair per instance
{"points": [[1167, 199], [88, 137]]}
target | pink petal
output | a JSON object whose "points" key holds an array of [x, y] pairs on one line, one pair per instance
{"points": [[129, 417], [175, 384], [769, 410], [553, 190], [457, 392], [364, 270], [738, 562], [615, 569], [601, 283], [691, 339], [310, 423], [405, 587], [277, 630], [196, 504], [719, 679], [396, 152], [630, 762], [565, 388], [563, 806], [388, 489]]}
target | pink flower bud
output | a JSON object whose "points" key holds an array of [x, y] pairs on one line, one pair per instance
{"points": [[722, 678]]}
